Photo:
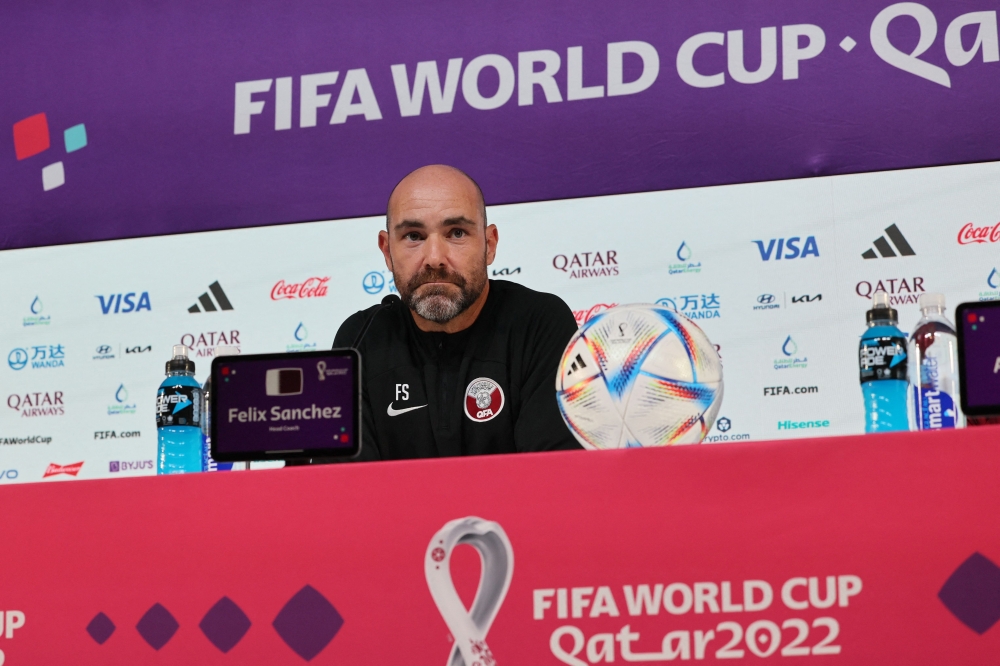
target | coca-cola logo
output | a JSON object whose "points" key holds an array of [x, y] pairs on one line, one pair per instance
{"points": [[314, 287], [583, 316], [970, 233]]}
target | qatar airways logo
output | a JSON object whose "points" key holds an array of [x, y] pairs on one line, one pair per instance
{"points": [[314, 287], [970, 234]]}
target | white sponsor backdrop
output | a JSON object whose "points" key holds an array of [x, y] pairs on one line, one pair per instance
{"points": [[694, 247]]}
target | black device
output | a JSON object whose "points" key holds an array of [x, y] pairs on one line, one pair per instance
{"points": [[286, 406], [978, 331]]}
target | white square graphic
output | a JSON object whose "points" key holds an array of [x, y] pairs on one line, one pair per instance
{"points": [[53, 176]]}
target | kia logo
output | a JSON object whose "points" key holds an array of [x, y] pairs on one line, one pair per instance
{"points": [[765, 299]]}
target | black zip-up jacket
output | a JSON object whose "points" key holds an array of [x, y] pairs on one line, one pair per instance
{"points": [[487, 389]]}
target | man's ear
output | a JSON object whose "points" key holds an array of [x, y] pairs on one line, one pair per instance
{"points": [[383, 245], [492, 238]]}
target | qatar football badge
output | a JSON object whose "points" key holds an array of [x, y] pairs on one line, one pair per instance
{"points": [[483, 399]]}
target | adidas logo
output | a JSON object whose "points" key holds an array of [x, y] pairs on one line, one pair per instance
{"points": [[208, 304], [578, 364], [885, 249]]}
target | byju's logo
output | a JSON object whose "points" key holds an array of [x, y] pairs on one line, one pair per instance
{"points": [[31, 137], [37, 318], [781, 248], [993, 282], [122, 405], [375, 281], [683, 255], [115, 466], [710, 307], [37, 404], [588, 264], [123, 303], [885, 249], [301, 334], [506, 271], [791, 360], [902, 291], [208, 304], [41, 356]]}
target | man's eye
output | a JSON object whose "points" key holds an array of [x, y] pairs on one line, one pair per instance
{"points": [[458, 233], [412, 236]]}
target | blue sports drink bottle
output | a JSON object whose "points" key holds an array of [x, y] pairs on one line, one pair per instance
{"points": [[178, 417], [882, 362]]}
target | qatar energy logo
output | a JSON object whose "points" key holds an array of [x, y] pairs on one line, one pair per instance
{"points": [[32, 137]]}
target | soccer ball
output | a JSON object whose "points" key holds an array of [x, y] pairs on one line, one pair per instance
{"points": [[639, 375]]}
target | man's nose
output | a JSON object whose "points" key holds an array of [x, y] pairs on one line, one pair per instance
{"points": [[436, 251]]}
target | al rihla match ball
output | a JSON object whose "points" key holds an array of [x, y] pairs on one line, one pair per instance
{"points": [[639, 375]]}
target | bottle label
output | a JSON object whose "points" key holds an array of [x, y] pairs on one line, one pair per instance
{"points": [[178, 406], [882, 358], [936, 407]]}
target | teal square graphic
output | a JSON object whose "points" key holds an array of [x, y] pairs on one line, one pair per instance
{"points": [[75, 137]]}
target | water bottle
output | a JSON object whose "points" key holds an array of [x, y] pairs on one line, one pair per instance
{"points": [[178, 417], [206, 422], [882, 362], [935, 400]]}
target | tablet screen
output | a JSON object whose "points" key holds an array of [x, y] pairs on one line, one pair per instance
{"points": [[285, 406], [980, 352]]}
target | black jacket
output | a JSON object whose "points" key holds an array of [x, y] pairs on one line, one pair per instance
{"points": [[488, 389]]}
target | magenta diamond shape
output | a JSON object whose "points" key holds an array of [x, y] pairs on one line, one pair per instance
{"points": [[225, 624], [101, 628], [157, 626], [308, 622], [972, 593]]}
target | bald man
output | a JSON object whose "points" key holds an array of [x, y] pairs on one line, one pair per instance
{"points": [[464, 365]]}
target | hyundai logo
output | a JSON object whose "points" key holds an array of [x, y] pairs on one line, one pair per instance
{"points": [[104, 349], [765, 299]]}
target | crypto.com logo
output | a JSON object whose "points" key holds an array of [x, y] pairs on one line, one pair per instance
{"points": [[31, 137]]}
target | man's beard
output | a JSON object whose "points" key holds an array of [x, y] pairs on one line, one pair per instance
{"points": [[440, 303]]}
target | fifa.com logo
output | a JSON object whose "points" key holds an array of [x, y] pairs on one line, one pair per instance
{"points": [[31, 137]]}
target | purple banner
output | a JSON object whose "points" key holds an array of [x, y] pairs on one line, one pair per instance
{"points": [[129, 118]]}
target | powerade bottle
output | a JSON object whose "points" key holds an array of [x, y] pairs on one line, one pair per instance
{"points": [[882, 362], [178, 417], [934, 368], [206, 421]]}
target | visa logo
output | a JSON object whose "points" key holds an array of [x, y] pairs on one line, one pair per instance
{"points": [[122, 303], [781, 248]]}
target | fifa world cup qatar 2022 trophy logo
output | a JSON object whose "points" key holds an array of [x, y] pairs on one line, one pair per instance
{"points": [[469, 627]]}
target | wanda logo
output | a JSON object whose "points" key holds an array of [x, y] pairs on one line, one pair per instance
{"points": [[969, 234], [314, 287], [583, 316]]}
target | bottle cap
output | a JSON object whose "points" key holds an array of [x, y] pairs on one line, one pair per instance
{"points": [[180, 361], [931, 300], [226, 350], [880, 308]]}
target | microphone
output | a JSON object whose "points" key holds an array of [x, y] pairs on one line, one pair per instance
{"points": [[388, 302]]}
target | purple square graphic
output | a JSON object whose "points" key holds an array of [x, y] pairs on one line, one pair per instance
{"points": [[157, 626], [972, 593], [101, 628], [308, 622], [225, 624], [113, 466]]}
